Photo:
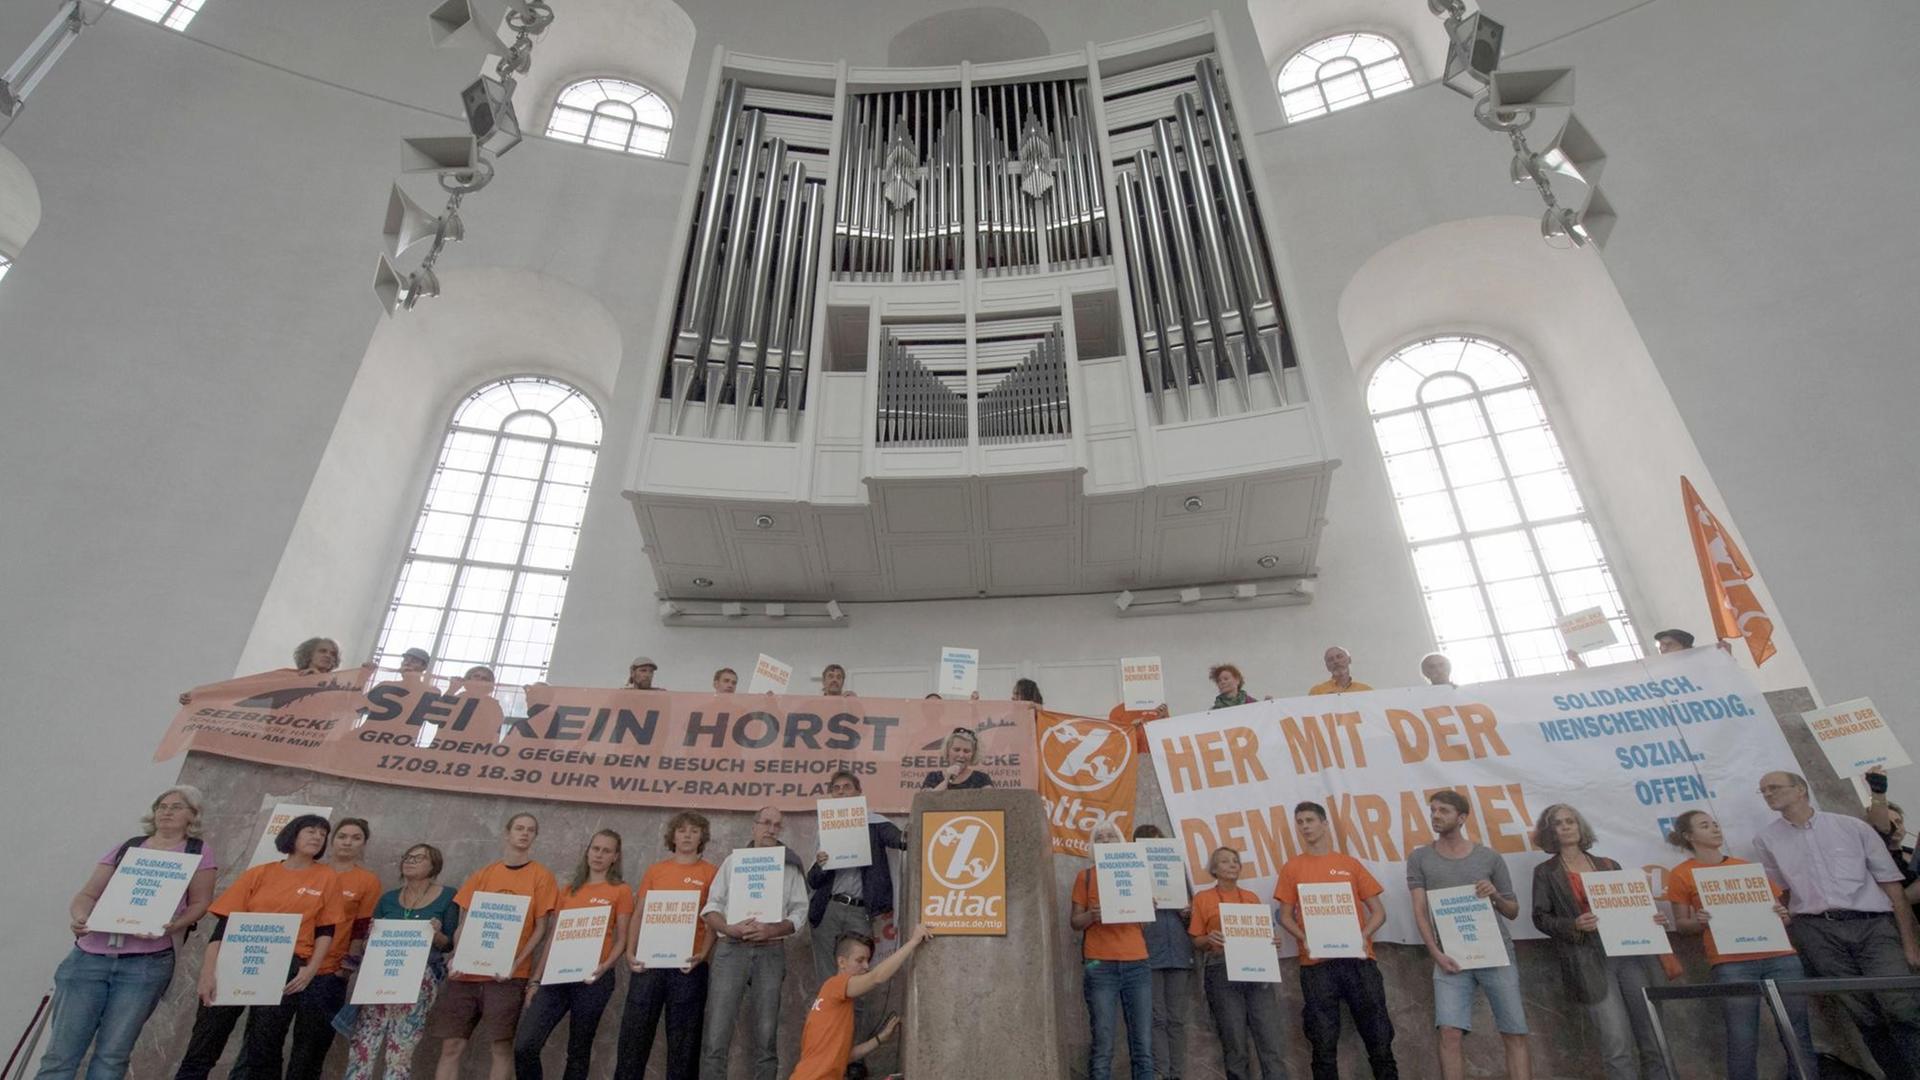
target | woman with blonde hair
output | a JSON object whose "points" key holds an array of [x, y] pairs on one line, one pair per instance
{"points": [[958, 754], [108, 985]]}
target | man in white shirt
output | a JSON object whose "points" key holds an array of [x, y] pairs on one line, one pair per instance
{"points": [[750, 956]]}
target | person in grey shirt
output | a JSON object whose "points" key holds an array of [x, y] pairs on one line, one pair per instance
{"points": [[749, 956], [1451, 861]]}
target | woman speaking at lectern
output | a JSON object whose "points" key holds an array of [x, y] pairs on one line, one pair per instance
{"points": [[958, 754]]}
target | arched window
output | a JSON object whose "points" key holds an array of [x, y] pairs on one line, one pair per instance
{"points": [[486, 572], [1343, 70], [1501, 539], [172, 14], [613, 113], [6, 264]]}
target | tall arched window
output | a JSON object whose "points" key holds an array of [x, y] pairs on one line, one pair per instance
{"points": [[1345, 69], [172, 14], [1501, 539], [486, 572], [613, 113]]}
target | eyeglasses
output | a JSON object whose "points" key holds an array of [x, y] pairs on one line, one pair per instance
{"points": [[172, 806], [415, 857]]}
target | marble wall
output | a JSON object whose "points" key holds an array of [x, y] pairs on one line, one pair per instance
{"points": [[466, 827]]}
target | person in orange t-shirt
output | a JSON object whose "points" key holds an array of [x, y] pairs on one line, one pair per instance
{"points": [[1115, 975], [826, 1043], [596, 883], [1327, 982], [488, 1007], [1698, 834], [359, 893], [1136, 720], [297, 885], [680, 993], [1340, 674], [1246, 1014]]}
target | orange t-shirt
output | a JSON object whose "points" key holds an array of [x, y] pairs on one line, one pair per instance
{"points": [[1136, 719], [272, 889], [1328, 687], [1682, 890], [671, 876], [529, 879], [1106, 941], [826, 1044], [359, 895], [1206, 908], [617, 897], [1332, 868]]}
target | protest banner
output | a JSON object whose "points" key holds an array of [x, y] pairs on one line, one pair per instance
{"points": [[843, 832], [1855, 737], [490, 934], [1623, 902], [959, 671], [668, 919], [1466, 927], [1143, 685], [1087, 776], [1331, 917], [256, 959], [395, 962], [1587, 629], [1632, 745], [770, 676], [1125, 884], [1250, 954], [144, 892], [579, 937], [277, 818], [964, 879], [1739, 903], [620, 747], [755, 877], [1169, 873]]}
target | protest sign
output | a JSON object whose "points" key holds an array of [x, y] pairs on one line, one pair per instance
{"points": [[755, 877], [256, 958], [843, 832], [1739, 903], [1855, 737], [1623, 902], [1248, 931], [579, 937], [490, 934], [668, 919], [1125, 883], [1331, 917], [1169, 874], [963, 856], [144, 892], [770, 676], [1143, 685], [959, 671], [1587, 629], [395, 963], [1466, 928]]}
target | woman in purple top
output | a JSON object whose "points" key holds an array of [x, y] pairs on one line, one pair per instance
{"points": [[109, 984]]}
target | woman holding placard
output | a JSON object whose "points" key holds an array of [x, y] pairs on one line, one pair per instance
{"points": [[1604, 984], [395, 1029], [1115, 978], [596, 884], [679, 992], [298, 885], [1245, 1014], [1698, 834], [109, 984], [958, 754]]}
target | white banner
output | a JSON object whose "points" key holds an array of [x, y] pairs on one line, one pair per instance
{"points": [[579, 937], [1631, 745], [255, 955], [395, 962], [667, 925], [843, 832], [490, 934], [144, 892]]}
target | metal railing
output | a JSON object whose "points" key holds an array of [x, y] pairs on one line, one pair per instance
{"points": [[1774, 993]]}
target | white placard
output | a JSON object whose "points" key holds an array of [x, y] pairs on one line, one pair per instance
{"points": [[264, 851], [144, 892], [395, 962], [1466, 927], [843, 832], [959, 671], [1143, 685], [1169, 873], [770, 676], [1588, 629], [1248, 931], [1331, 917], [668, 919], [1739, 903], [1124, 882], [490, 934], [756, 880], [1623, 902], [579, 936], [255, 955], [1855, 737]]}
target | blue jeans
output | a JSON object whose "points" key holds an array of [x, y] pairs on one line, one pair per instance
{"points": [[103, 1001], [1743, 1014], [1112, 986], [746, 976]]}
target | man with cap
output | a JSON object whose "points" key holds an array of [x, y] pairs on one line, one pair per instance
{"points": [[640, 673], [413, 667]]}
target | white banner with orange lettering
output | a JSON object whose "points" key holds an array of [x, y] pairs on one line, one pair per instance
{"points": [[1630, 745]]}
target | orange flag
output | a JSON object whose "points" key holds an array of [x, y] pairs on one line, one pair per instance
{"points": [[1728, 576]]}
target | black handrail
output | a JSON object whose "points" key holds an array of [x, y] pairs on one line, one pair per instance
{"points": [[1775, 993]]}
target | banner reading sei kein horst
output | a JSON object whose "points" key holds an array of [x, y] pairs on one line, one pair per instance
{"points": [[1632, 746], [645, 747]]}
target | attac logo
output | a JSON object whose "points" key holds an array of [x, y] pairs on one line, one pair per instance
{"points": [[965, 879], [1085, 755], [1087, 772]]}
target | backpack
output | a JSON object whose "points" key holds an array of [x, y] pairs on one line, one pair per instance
{"points": [[194, 846]]}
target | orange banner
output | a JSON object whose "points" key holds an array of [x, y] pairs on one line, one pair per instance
{"points": [[631, 747], [1728, 577], [964, 871], [1087, 770]]}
